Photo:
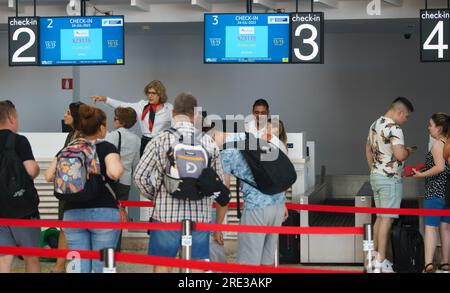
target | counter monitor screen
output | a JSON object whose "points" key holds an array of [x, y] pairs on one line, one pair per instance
{"points": [[246, 38], [96, 40]]}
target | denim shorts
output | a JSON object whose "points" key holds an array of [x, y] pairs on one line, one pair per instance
{"points": [[437, 203], [387, 192], [168, 243]]}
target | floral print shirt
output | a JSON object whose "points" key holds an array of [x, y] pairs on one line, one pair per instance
{"points": [[383, 135]]}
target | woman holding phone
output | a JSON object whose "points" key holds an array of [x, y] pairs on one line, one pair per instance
{"points": [[436, 172]]}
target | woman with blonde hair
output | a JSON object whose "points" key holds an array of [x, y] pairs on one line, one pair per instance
{"points": [[154, 114]]}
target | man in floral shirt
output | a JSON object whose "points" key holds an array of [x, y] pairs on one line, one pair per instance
{"points": [[386, 153]]}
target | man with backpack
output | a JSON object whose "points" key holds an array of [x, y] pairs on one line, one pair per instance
{"points": [[18, 196], [264, 173], [181, 171]]}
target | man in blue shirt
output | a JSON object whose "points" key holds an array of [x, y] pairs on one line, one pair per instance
{"points": [[259, 209]]}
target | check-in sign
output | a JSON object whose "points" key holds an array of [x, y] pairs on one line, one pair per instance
{"points": [[434, 35], [307, 37]]}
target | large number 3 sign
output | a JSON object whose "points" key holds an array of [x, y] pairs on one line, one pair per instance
{"points": [[310, 41], [23, 48], [307, 37]]}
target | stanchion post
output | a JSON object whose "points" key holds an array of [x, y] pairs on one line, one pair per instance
{"points": [[368, 248], [186, 242], [277, 253], [107, 255]]}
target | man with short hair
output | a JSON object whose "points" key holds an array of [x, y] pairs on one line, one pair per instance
{"points": [[9, 235], [150, 180], [258, 125], [259, 209], [385, 154]]}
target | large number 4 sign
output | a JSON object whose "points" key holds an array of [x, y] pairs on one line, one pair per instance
{"points": [[307, 37], [23, 45], [434, 35]]}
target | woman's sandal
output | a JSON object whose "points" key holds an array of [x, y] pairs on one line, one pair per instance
{"points": [[443, 268], [426, 270]]}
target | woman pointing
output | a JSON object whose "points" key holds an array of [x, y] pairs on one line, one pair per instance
{"points": [[154, 114]]}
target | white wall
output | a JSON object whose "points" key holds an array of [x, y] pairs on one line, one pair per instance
{"points": [[36, 92], [335, 102]]}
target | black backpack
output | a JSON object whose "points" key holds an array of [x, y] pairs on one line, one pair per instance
{"points": [[18, 196], [272, 170], [407, 248]]}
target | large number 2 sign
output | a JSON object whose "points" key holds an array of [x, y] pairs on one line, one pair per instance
{"points": [[23, 48], [307, 37], [16, 58]]}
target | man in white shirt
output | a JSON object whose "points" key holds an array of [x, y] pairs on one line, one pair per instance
{"points": [[154, 115], [258, 125]]}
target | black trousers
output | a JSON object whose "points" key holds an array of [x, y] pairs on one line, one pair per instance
{"points": [[144, 141]]}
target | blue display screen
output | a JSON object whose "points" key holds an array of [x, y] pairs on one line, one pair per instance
{"points": [[247, 38], [96, 40]]}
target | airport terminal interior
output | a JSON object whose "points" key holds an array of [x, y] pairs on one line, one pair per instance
{"points": [[368, 53]]}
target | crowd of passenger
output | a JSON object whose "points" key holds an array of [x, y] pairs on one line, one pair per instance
{"points": [[154, 163]]}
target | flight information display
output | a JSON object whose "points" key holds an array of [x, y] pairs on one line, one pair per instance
{"points": [[247, 38], [95, 40]]}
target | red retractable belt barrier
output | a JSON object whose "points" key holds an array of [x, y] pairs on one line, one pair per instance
{"points": [[166, 261], [177, 227], [364, 210], [330, 208]]}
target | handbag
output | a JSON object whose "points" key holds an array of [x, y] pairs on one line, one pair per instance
{"points": [[122, 211]]}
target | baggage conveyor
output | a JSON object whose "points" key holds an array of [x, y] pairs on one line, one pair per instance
{"points": [[334, 248], [338, 190]]}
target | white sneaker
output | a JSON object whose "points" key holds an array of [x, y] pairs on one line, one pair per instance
{"points": [[383, 267], [374, 255]]}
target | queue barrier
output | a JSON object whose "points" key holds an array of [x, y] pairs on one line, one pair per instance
{"points": [[329, 208], [110, 257]]}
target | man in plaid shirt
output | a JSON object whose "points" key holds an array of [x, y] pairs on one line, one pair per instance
{"points": [[149, 181]]}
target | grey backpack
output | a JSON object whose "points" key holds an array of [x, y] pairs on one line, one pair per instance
{"points": [[187, 158]]}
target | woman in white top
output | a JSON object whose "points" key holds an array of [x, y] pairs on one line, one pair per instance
{"points": [[128, 144], [154, 114]]}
